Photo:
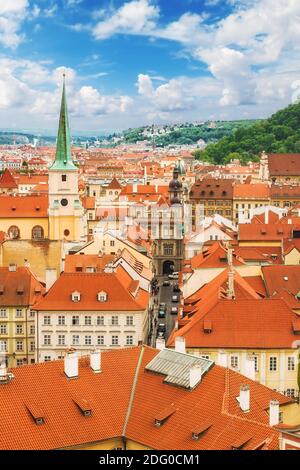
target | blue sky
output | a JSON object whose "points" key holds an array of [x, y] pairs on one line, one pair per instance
{"points": [[135, 62]]}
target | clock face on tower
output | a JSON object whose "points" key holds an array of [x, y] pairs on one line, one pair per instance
{"points": [[64, 202]]}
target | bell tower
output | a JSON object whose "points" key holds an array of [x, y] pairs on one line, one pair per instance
{"points": [[65, 209], [168, 247]]}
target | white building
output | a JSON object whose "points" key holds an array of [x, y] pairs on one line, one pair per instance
{"points": [[87, 310]]}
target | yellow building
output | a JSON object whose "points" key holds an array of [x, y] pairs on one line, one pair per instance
{"points": [[24, 217], [256, 337], [19, 289]]}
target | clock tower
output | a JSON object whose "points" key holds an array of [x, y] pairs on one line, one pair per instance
{"points": [[65, 209]]}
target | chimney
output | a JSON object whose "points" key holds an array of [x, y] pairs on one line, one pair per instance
{"points": [[250, 368], [244, 398], [134, 188], [267, 215], [274, 413], [95, 361], [180, 344], [195, 375], [160, 344], [290, 221], [12, 267], [3, 370], [50, 277], [222, 358], [71, 364]]}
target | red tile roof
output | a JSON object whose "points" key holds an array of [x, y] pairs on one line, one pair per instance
{"points": [[7, 181], [24, 206], [88, 202], [260, 254], [75, 263], [116, 285], [44, 388], [281, 277], [114, 184], [283, 192], [251, 191], [214, 256], [242, 323], [211, 188], [19, 287], [257, 283], [284, 164], [265, 232]]}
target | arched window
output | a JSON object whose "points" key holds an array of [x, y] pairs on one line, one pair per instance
{"points": [[14, 232], [37, 232]]}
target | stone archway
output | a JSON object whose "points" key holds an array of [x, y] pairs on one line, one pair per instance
{"points": [[168, 267]]}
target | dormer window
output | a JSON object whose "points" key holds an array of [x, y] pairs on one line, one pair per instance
{"points": [[102, 296], [75, 296]]}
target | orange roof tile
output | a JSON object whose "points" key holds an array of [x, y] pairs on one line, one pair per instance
{"points": [[77, 263], [10, 282], [251, 191], [59, 297], [281, 277], [243, 323], [24, 206], [7, 181], [51, 393]]}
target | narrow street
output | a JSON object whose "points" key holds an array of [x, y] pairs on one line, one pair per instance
{"points": [[164, 296]]}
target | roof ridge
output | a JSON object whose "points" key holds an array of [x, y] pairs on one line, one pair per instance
{"points": [[132, 393]]}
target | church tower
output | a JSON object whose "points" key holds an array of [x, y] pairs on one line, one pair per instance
{"points": [[65, 209], [168, 247]]}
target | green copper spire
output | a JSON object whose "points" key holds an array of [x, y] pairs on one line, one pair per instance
{"points": [[63, 159]]}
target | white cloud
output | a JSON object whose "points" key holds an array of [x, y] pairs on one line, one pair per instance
{"points": [[135, 17], [178, 95], [51, 10], [12, 14], [257, 33], [33, 89]]}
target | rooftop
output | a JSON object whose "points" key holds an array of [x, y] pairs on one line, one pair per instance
{"points": [[129, 403]]}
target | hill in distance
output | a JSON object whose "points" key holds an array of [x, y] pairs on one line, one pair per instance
{"points": [[278, 134]]}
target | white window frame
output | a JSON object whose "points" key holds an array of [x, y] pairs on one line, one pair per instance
{"points": [[273, 360]]}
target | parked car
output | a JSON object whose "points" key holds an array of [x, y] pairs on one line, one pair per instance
{"points": [[166, 283], [161, 334], [176, 288], [162, 306], [161, 327], [174, 310], [161, 314], [173, 276], [175, 298]]}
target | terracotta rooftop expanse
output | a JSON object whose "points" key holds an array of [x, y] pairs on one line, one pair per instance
{"points": [[212, 189], [89, 285], [23, 206], [266, 232], [7, 181], [241, 323], [211, 407], [214, 256], [19, 287], [285, 164], [279, 278], [251, 191]]}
